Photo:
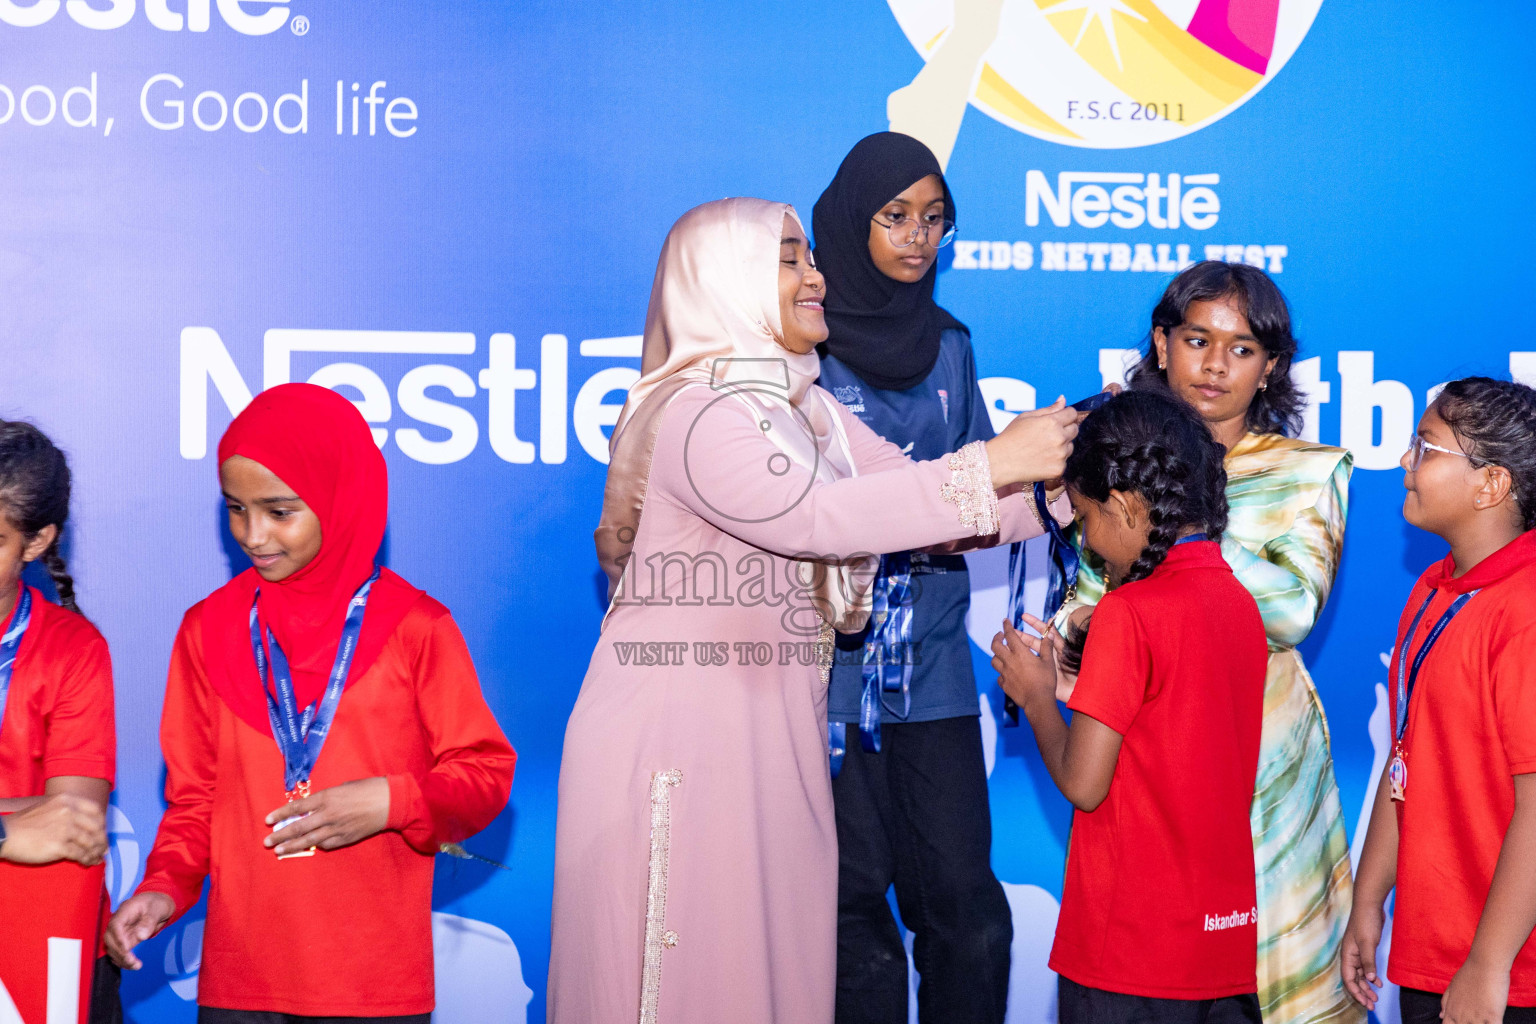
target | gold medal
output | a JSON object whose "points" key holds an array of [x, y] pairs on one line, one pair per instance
{"points": [[1397, 775], [297, 793]]}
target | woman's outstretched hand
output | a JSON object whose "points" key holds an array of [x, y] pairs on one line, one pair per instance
{"points": [[1034, 445]]}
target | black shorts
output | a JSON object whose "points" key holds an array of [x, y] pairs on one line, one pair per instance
{"points": [[1079, 1004], [1420, 1007]]}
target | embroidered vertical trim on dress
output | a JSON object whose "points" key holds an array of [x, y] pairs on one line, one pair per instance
{"points": [[657, 935], [826, 647], [970, 488]]}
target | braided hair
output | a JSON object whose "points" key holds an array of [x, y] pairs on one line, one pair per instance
{"points": [[34, 494], [1154, 446], [1277, 408], [1495, 421]]}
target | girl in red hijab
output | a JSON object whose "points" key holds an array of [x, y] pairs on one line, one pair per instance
{"points": [[324, 733]]}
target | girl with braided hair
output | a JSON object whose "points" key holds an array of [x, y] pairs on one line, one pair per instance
{"points": [[1220, 340], [58, 751], [1158, 918], [1453, 825]]}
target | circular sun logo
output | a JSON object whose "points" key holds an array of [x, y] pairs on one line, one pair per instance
{"points": [[1103, 74]]}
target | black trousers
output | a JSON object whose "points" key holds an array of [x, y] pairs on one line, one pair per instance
{"points": [[1079, 1004], [1420, 1007], [106, 1002], [916, 815], [210, 1015]]}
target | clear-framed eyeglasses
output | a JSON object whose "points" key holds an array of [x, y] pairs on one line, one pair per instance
{"points": [[904, 230], [1418, 446]]}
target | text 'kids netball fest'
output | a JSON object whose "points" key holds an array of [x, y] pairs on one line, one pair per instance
{"points": [[935, 511]]}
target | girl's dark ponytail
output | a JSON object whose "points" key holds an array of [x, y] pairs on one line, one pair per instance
{"points": [[1152, 445], [34, 494], [63, 582]]}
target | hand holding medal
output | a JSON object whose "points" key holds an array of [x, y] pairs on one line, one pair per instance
{"points": [[330, 818]]}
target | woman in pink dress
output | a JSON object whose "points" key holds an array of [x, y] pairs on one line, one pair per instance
{"points": [[695, 853]]}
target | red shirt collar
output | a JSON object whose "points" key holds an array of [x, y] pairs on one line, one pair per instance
{"points": [[1509, 559], [1195, 554]]}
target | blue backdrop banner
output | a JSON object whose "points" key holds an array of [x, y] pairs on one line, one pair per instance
{"points": [[451, 212]]}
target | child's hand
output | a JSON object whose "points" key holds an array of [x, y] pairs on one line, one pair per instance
{"points": [[64, 826], [138, 919], [1026, 665], [332, 818], [1477, 994], [1358, 956]]}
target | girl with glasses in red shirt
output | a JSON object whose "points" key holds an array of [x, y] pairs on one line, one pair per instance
{"points": [[1453, 828]]}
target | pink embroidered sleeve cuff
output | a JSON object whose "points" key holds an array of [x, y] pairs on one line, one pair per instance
{"points": [[970, 488]]}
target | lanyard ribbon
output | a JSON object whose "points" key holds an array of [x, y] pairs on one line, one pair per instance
{"points": [[11, 641], [1406, 678], [300, 735], [888, 656], [1061, 584]]}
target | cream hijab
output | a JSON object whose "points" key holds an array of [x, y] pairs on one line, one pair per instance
{"points": [[714, 322]]}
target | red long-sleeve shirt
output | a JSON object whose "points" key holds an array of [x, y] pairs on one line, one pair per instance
{"points": [[346, 932]]}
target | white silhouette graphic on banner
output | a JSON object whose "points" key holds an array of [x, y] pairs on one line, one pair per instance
{"points": [[123, 856], [479, 973], [184, 958], [1380, 729]]}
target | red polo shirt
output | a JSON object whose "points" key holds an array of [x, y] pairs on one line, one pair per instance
{"points": [[58, 717], [1159, 898], [1471, 729]]}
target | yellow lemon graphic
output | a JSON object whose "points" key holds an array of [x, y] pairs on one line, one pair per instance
{"points": [[1102, 74]]}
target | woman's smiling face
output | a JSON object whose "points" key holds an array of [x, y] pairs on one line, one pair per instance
{"points": [[801, 288]]}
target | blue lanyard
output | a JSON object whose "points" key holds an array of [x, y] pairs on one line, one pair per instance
{"points": [[1405, 692], [1191, 539], [1061, 582], [300, 735], [888, 651], [11, 641], [888, 657]]}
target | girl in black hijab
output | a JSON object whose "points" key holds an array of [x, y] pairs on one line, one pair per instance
{"points": [[910, 784], [886, 328]]}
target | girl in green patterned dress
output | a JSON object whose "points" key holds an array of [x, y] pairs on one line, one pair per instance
{"points": [[1221, 341]]}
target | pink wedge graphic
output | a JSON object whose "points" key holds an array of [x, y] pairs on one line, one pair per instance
{"points": [[1243, 31]]}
